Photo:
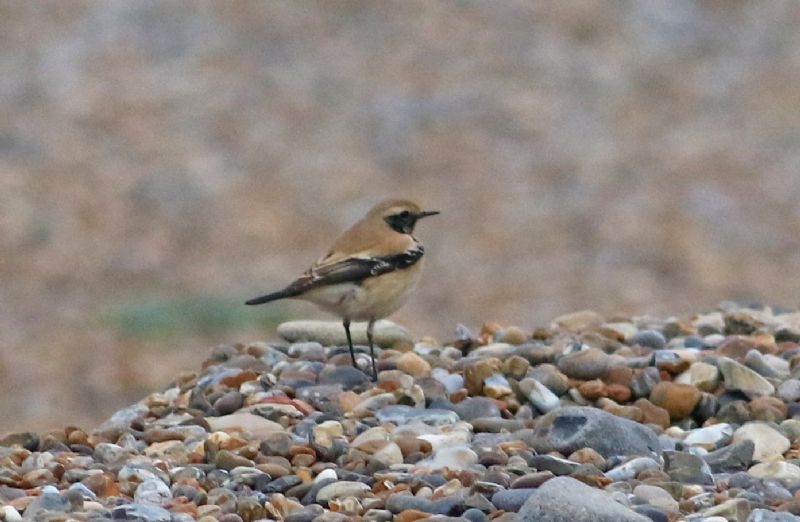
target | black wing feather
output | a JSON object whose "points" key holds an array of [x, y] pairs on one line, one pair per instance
{"points": [[350, 270]]}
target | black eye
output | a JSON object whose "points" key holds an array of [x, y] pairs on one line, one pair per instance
{"points": [[404, 214]]}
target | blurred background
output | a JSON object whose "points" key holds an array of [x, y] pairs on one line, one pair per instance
{"points": [[162, 161]]}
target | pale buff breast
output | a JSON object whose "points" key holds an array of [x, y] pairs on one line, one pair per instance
{"points": [[374, 298]]}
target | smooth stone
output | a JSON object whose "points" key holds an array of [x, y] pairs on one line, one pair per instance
{"points": [[498, 350], [455, 458], [569, 429], [549, 375], [309, 496], [585, 364], [768, 441], [331, 333], [311, 351], [678, 399], [257, 426], [532, 480], [152, 491], [737, 377], [454, 437], [710, 437], [656, 496], [141, 512], [326, 474], [229, 403], [789, 390], [516, 367], [475, 515], [451, 381], [378, 433], [377, 515], [413, 365], [9, 514], [476, 407], [564, 499], [539, 395], [346, 376], [342, 489], [281, 484], [650, 339], [782, 471], [399, 414], [791, 428], [767, 365], [390, 454], [305, 514], [553, 464], [704, 376], [687, 468], [732, 458], [631, 468], [511, 499]]}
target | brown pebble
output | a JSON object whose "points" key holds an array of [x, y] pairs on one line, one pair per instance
{"points": [[653, 414], [413, 365], [513, 335], [628, 412], [619, 375], [768, 408], [618, 392], [592, 390], [678, 399], [588, 456], [515, 366]]}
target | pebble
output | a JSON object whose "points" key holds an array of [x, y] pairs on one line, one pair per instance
{"points": [[331, 333], [585, 364], [738, 377], [569, 429], [539, 395], [679, 400], [768, 441], [637, 419], [564, 499]]}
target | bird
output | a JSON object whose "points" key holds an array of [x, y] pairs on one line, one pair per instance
{"points": [[369, 271]]}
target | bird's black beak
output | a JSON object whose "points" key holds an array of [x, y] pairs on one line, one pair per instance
{"points": [[426, 213]]}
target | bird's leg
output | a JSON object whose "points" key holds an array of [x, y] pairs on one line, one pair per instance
{"points": [[346, 325], [370, 326]]}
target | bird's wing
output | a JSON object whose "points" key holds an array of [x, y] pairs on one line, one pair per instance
{"points": [[353, 269]]}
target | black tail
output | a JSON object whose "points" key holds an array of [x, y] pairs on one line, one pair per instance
{"points": [[274, 296]]}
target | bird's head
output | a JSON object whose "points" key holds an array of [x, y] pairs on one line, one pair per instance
{"points": [[401, 215]]}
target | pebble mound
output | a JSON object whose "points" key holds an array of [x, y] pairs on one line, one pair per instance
{"points": [[591, 418]]}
